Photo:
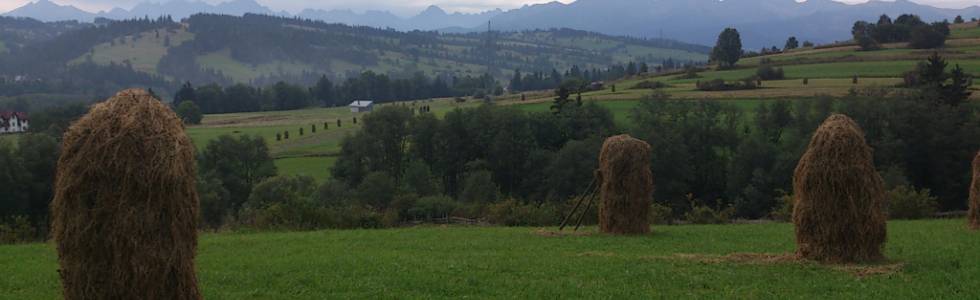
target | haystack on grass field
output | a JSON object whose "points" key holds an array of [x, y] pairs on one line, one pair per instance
{"points": [[831, 171]]}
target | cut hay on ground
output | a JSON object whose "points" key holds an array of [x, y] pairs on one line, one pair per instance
{"points": [[839, 197], [124, 215], [974, 213], [626, 186]]}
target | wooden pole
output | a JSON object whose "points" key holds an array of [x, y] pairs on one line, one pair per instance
{"points": [[564, 222]]}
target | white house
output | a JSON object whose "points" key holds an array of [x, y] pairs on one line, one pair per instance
{"points": [[13, 122], [361, 106]]}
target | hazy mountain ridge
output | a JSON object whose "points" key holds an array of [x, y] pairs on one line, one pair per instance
{"points": [[762, 22], [431, 18]]}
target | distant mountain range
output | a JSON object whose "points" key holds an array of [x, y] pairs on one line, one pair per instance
{"points": [[433, 18], [761, 22]]}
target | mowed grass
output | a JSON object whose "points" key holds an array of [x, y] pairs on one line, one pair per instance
{"points": [[316, 167], [622, 110], [927, 260]]}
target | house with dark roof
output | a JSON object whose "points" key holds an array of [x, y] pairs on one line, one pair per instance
{"points": [[14, 122]]}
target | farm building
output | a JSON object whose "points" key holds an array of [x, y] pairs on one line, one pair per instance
{"points": [[13, 122], [361, 106]]}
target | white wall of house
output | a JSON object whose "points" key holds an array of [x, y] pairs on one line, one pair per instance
{"points": [[14, 125]]}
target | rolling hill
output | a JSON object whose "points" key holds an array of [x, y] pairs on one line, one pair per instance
{"points": [[762, 22], [261, 49]]}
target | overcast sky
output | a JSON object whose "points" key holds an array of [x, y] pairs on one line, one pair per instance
{"points": [[404, 7]]}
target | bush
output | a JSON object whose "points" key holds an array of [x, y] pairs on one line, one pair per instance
{"points": [[768, 72], [661, 214], [512, 213], [429, 208], [18, 229], [721, 85], [649, 85], [479, 187], [783, 212], [703, 214], [377, 190], [189, 112], [905, 202], [690, 73], [927, 37]]}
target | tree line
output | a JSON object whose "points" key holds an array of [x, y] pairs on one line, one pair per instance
{"points": [[906, 28]]}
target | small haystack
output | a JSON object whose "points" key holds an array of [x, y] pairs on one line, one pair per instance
{"points": [[839, 197], [125, 210], [974, 214], [626, 186]]}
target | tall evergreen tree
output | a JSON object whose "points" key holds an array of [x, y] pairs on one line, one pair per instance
{"points": [[728, 49]]}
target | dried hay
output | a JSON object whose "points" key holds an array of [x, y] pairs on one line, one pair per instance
{"points": [[626, 186], [974, 213], [770, 259], [125, 210], [839, 197]]}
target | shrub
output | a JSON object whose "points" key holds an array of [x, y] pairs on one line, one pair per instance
{"points": [[783, 212], [649, 85], [690, 73], [721, 85], [432, 207], [377, 190], [703, 214], [18, 229], [479, 187], [768, 72], [189, 112], [512, 213], [905, 202], [661, 214], [927, 37]]}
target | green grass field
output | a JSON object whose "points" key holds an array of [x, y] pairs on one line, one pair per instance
{"points": [[927, 260], [241, 72], [310, 154], [966, 32]]}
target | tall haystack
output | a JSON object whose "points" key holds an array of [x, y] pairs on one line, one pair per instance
{"points": [[974, 214], [124, 215], [839, 197], [626, 186]]}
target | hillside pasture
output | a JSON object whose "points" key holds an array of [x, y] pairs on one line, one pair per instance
{"points": [[310, 154], [143, 51], [926, 259]]}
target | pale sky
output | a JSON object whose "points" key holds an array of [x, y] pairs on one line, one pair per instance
{"points": [[397, 6]]}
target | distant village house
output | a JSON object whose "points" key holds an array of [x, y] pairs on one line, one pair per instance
{"points": [[13, 122], [361, 106]]}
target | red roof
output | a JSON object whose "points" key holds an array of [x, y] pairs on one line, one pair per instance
{"points": [[7, 115]]}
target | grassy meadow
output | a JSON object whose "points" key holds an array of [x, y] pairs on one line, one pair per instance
{"points": [[926, 260], [310, 154], [142, 51]]}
